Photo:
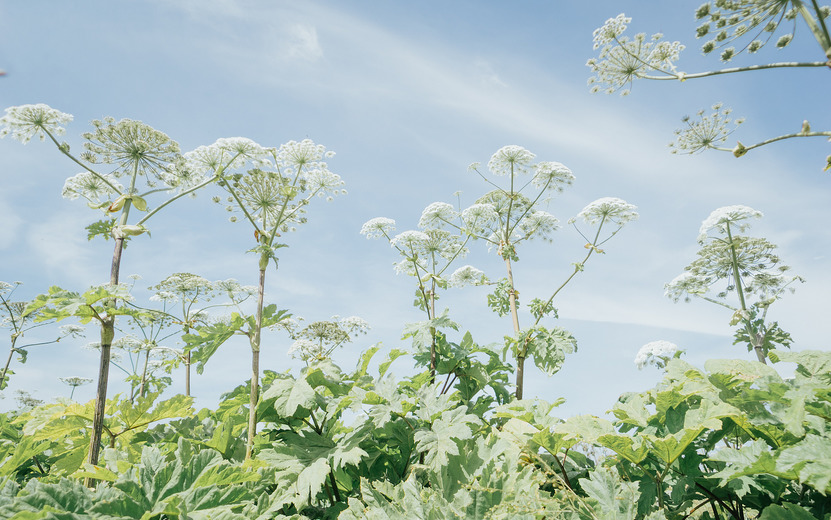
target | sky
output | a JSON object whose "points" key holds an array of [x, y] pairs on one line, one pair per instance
{"points": [[408, 94]]}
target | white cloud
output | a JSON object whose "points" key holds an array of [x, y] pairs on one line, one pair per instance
{"points": [[303, 43]]}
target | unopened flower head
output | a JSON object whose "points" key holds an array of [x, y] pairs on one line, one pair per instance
{"points": [[708, 131], [132, 146], [656, 353], [552, 176], [609, 209], [729, 21], [263, 193], [92, 187], [378, 227], [467, 275], [736, 217], [26, 121], [436, 215], [511, 160]]}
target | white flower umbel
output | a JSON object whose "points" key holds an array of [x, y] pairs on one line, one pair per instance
{"points": [[378, 227], [656, 353], [710, 131], [552, 176], [538, 224], [609, 209], [71, 331], [684, 285], [409, 239], [479, 217], [511, 160], [26, 121], [467, 275], [92, 187], [735, 216], [436, 215], [622, 60]]}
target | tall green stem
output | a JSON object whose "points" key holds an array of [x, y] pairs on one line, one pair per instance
{"points": [[754, 340], [107, 335], [255, 363], [520, 358]]}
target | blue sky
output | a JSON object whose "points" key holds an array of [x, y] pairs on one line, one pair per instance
{"points": [[409, 94]]}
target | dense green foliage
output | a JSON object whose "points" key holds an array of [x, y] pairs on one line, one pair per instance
{"points": [[732, 440]]}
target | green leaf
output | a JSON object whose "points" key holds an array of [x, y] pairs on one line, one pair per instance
{"points": [[440, 440], [811, 459], [616, 500], [786, 511], [23, 451], [631, 449], [548, 348]]}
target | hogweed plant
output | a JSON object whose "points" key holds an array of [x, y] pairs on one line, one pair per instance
{"points": [[74, 382], [124, 163], [14, 316], [316, 341], [271, 196], [182, 292], [731, 28], [427, 254], [506, 217], [742, 273]]}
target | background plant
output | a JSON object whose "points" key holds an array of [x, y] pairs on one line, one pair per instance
{"points": [[732, 263]]}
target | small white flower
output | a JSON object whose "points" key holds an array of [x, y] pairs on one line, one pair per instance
{"points": [[26, 121], [655, 353], [735, 216], [467, 275], [609, 208], [378, 227]]}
